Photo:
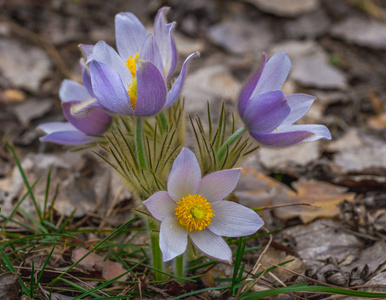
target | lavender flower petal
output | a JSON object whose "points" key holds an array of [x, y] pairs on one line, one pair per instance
{"points": [[64, 133], [86, 78], [151, 90], [129, 34], [161, 206], [211, 244], [300, 105], [177, 86], [173, 239], [150, 53], [87, 50], [109, 89], [244, 220], [281, 139], [71, 90], [95, 122], [266, 111], [184, 176], [103, 53], [163, 36], [218, 185], [318, 131], [275, 73], [249, 87]]}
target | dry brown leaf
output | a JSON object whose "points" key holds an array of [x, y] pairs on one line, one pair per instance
{"points": [[256, 189], [113, 269], [92, 262], [324, 195]]}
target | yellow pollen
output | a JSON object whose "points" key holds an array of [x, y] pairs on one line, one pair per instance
{"points": [[132, 87], [194, 212], [130, 63], [132, 91]]}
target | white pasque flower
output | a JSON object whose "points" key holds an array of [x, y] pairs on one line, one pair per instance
{"points": [[195, 208]]}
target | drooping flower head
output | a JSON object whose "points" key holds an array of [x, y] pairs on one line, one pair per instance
{"points": [[78, 129], [134, 80], [269, 114], [195, 208]]}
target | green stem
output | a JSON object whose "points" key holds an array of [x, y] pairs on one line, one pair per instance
{"points": [[179, 268], [155, 250], [229, 142], [163, 121], [139, 143]]}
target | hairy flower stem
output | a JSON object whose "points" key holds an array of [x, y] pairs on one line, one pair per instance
{"points": [[229, 142], [155, 250], [139, 143], [179, 267]]}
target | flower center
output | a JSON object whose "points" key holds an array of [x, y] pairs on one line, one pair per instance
{"points": [[194, 212], [132, 88]]}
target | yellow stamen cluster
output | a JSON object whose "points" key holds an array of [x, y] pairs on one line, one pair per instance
{"points": [[194, 212], [130, 63], [132, 88]]}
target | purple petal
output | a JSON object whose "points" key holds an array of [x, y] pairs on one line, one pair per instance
{"points": [[86, 78], [95, 122], [266, 111], [65, 134], [150, 53], [48, 128], [87, 50], [248, 88], [161, 206], [129, 34], [275, 73], [103, 53], [151, 90], [173, 239], [163, 36], [233, 220], [71, 91], [218, 185], [173, 62], [318, 131], [177, 86], [109, 89], [281, 139], [184, 176], [300, 105], [211, 244]]}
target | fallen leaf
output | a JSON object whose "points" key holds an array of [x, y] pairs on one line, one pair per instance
{"points": [[324, 195], [92, 262], [112, 269]]}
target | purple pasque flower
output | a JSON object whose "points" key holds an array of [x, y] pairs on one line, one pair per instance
{"points": [[78, 129], [195, 208], [269, 114], [134, 80]]}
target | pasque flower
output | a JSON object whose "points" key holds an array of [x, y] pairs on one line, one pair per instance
{"points": [[134, 80], [269, 114], [195, 208], [78, 129]]}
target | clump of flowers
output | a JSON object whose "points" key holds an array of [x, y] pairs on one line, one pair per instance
{"points": [[186, 196]]}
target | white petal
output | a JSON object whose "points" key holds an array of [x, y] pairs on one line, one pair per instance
{"points": [[173, 239], [218, 185], [233, 220], [184, 176], [160, 205], [211, 244]]}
